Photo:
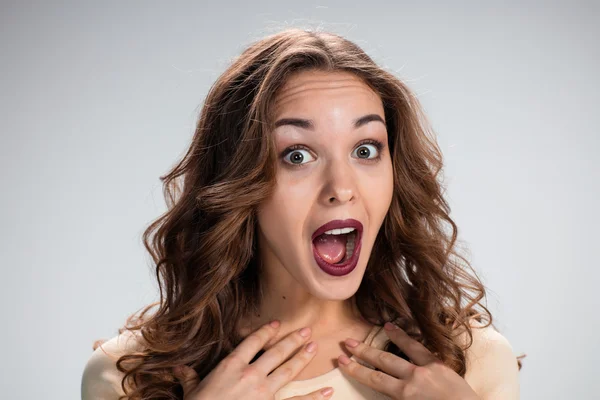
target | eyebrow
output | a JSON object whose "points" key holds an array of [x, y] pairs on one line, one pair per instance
{"points": [[308, 124]]}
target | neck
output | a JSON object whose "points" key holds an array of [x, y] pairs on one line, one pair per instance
{"points": [[296, 308]]}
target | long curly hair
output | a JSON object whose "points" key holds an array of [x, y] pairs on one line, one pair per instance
{"points": [[204, 245]]}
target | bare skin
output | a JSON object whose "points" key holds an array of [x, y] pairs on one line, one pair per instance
{"points": [[332, 183], [236, 378], [331, 345]]}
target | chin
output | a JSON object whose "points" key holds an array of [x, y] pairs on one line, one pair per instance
{"points": [[334, 295], [329, 288]]}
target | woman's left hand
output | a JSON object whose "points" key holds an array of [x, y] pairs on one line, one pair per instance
{"points": [[427, 379]]}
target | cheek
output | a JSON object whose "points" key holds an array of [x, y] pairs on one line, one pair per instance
{"points": [[378, 192], [295, 191], [284, 214]]}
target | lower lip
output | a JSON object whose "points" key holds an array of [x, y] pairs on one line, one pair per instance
{"points": [[340, 269]]}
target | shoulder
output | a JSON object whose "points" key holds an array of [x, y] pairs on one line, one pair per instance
{"points": [[101, 380], [492, 369]]}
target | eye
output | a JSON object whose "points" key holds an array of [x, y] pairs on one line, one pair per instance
{"points": [[295, 155], [369, 150]]}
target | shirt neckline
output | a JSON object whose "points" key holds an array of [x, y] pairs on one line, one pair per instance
{"points": [[327, 376]]}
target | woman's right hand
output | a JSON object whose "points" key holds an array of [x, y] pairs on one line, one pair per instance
{"points": [[235, 378]]}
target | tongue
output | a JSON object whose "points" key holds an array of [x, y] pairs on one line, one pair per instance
{"points": [[331, 248]]}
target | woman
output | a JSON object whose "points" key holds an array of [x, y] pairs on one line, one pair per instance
{"points": [[308, 209]]}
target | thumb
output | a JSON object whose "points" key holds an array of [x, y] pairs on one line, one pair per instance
{"points": [[187, 377], [321, 394]]}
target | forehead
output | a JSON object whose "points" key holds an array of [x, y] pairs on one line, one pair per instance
{"points": [[309, 91]]}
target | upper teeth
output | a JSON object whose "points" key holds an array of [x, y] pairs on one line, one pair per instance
{"points": [[339, 231]]}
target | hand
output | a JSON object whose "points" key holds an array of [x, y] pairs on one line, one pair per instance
{"points": [[235, 378], [426, 378]]}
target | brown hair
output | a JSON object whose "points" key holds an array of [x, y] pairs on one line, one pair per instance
{"points": [[204, 245]]}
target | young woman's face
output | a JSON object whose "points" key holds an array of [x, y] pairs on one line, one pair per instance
{"points": [[329, 167]]}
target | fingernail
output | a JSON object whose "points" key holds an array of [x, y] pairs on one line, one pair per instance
{"points": [[344, 360], [274, 323], [389, 326], [327, 392], [304, 332], [351, 342], [311, 347]]}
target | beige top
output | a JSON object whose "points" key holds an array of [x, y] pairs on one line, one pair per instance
{"points": [[102, 381], [491, 369]]}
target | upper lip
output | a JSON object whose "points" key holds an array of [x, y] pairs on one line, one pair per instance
{"points": [[337, 224]]}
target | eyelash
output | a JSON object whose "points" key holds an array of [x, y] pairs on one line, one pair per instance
{"points": [[378, 145]]}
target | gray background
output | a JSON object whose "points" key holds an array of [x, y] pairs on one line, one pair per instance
{"points": [[100, 98]]}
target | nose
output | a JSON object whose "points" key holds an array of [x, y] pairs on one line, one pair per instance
{"points": [[340, 187]]}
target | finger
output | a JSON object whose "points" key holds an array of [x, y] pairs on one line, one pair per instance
{"points": [[376, 380], [281, 351], [187, 377], [418, 353], [252, 344], [320, 394], [389, 363], [286, 372]]}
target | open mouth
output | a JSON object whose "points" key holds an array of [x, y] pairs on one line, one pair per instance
{"points": [[336, 246]]}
